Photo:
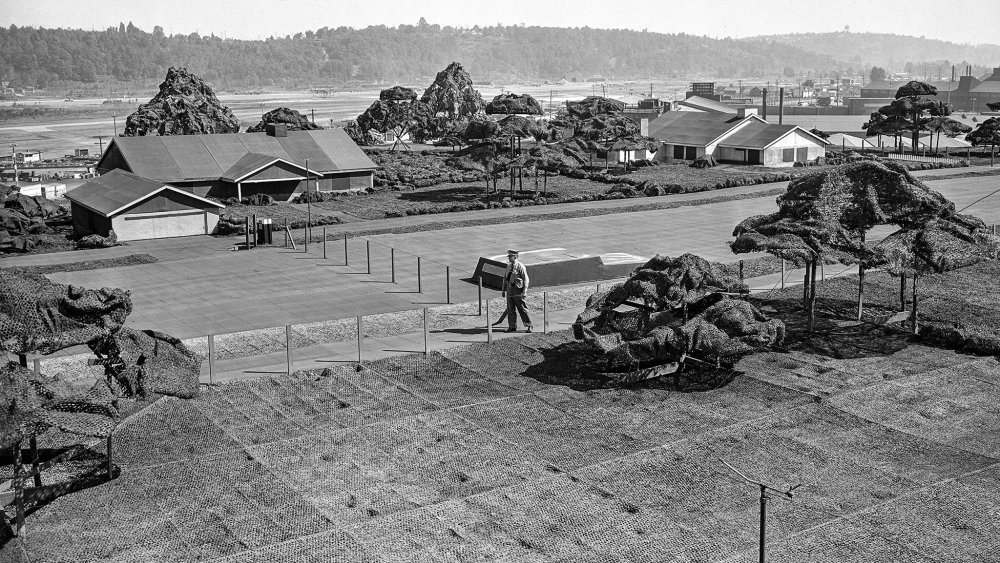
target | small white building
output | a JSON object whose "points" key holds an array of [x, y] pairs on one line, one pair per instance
{"points": [[742, 137]]}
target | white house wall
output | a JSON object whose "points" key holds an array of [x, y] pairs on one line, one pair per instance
{"points": [[793, 140]]}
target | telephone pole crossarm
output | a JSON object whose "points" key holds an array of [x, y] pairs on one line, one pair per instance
{"points": [[764, 488]]}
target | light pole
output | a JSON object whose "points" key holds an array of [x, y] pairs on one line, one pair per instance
{"points": [[13, 160], [764, 488]]}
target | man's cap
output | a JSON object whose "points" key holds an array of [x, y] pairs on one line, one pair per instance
{"points": [[512, 252]]}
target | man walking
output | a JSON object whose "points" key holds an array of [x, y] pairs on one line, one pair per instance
{"points": [[515, 286]]}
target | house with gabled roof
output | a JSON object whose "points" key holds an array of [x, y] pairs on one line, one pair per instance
{"points": [[242, 164], [739, 138], [137, 208]]}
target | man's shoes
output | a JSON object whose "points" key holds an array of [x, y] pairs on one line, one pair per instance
{"points": [[511, 330], [528, 329]]}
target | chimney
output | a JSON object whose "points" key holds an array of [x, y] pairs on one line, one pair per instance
{"points": [[644, 126], [746, 112], [277, 130], [781, 104], [763, 112]]}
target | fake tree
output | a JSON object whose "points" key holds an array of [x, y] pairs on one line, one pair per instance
{"points": [[943, 243], [826, 215], [986, 134], [950, 127], [910, 110]]}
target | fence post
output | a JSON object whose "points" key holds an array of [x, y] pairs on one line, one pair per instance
{"points": [[741, 271], [360, 338], [324, 243], [419, 288], [427, 348], [18, 486], [286, 232], [305, 237], [368, 255], [480, 280], [288, 347], [545, 312], [782, 273], [822, 273], [246, 231], [211, 359], [489, 324], [345, 249], [447, 284], [392, 263], [36, 365]]}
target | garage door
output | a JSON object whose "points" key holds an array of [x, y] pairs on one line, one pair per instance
{"points": [[160, 225]]}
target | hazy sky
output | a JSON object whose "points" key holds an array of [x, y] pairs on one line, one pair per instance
{"points": [[961, 21]]}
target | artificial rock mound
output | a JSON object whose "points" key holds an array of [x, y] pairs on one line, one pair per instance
{"points": [[185, 105], [293, 120], [514, 103]]}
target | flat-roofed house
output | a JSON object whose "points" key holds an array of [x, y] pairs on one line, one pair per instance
{"points": [[242, 164], [137, 208]]}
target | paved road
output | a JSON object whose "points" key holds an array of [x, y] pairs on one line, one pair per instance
{"points": [[200, 286]]}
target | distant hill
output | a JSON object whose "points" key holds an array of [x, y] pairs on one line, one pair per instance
{"points": [[891, 51], [380, 54]]}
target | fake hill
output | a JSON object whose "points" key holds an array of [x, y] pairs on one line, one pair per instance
{"points": [[185, 105]]}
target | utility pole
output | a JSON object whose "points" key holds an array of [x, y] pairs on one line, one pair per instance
{"points": [[114, 117], [13, 160], [764, 488], [100, 140]]}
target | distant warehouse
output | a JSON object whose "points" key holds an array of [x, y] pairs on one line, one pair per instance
{"points": [[242, 164]]}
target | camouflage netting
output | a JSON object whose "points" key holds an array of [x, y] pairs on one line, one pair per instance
{"points": [[294, 121], [41, 317], [31, 403], [397, 111], [22, 219], [37, 315], [824, 213], [185, 105], [147, 361], [937, 246], [670, 310], [514, 103], [452, 101]]}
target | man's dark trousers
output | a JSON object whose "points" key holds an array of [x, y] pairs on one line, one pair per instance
{"points": [[515, 307]]}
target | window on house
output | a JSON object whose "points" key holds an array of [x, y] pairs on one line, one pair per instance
{"points": [[679, 152], [787, 155], [690, 153], [802, 154]]}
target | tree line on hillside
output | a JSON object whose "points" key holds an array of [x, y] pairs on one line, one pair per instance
{"points": [[895, 53], [379, 54]]}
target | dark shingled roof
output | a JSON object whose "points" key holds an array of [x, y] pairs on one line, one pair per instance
{"points": [[184, 158], [119, 189], [692, 128]]}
